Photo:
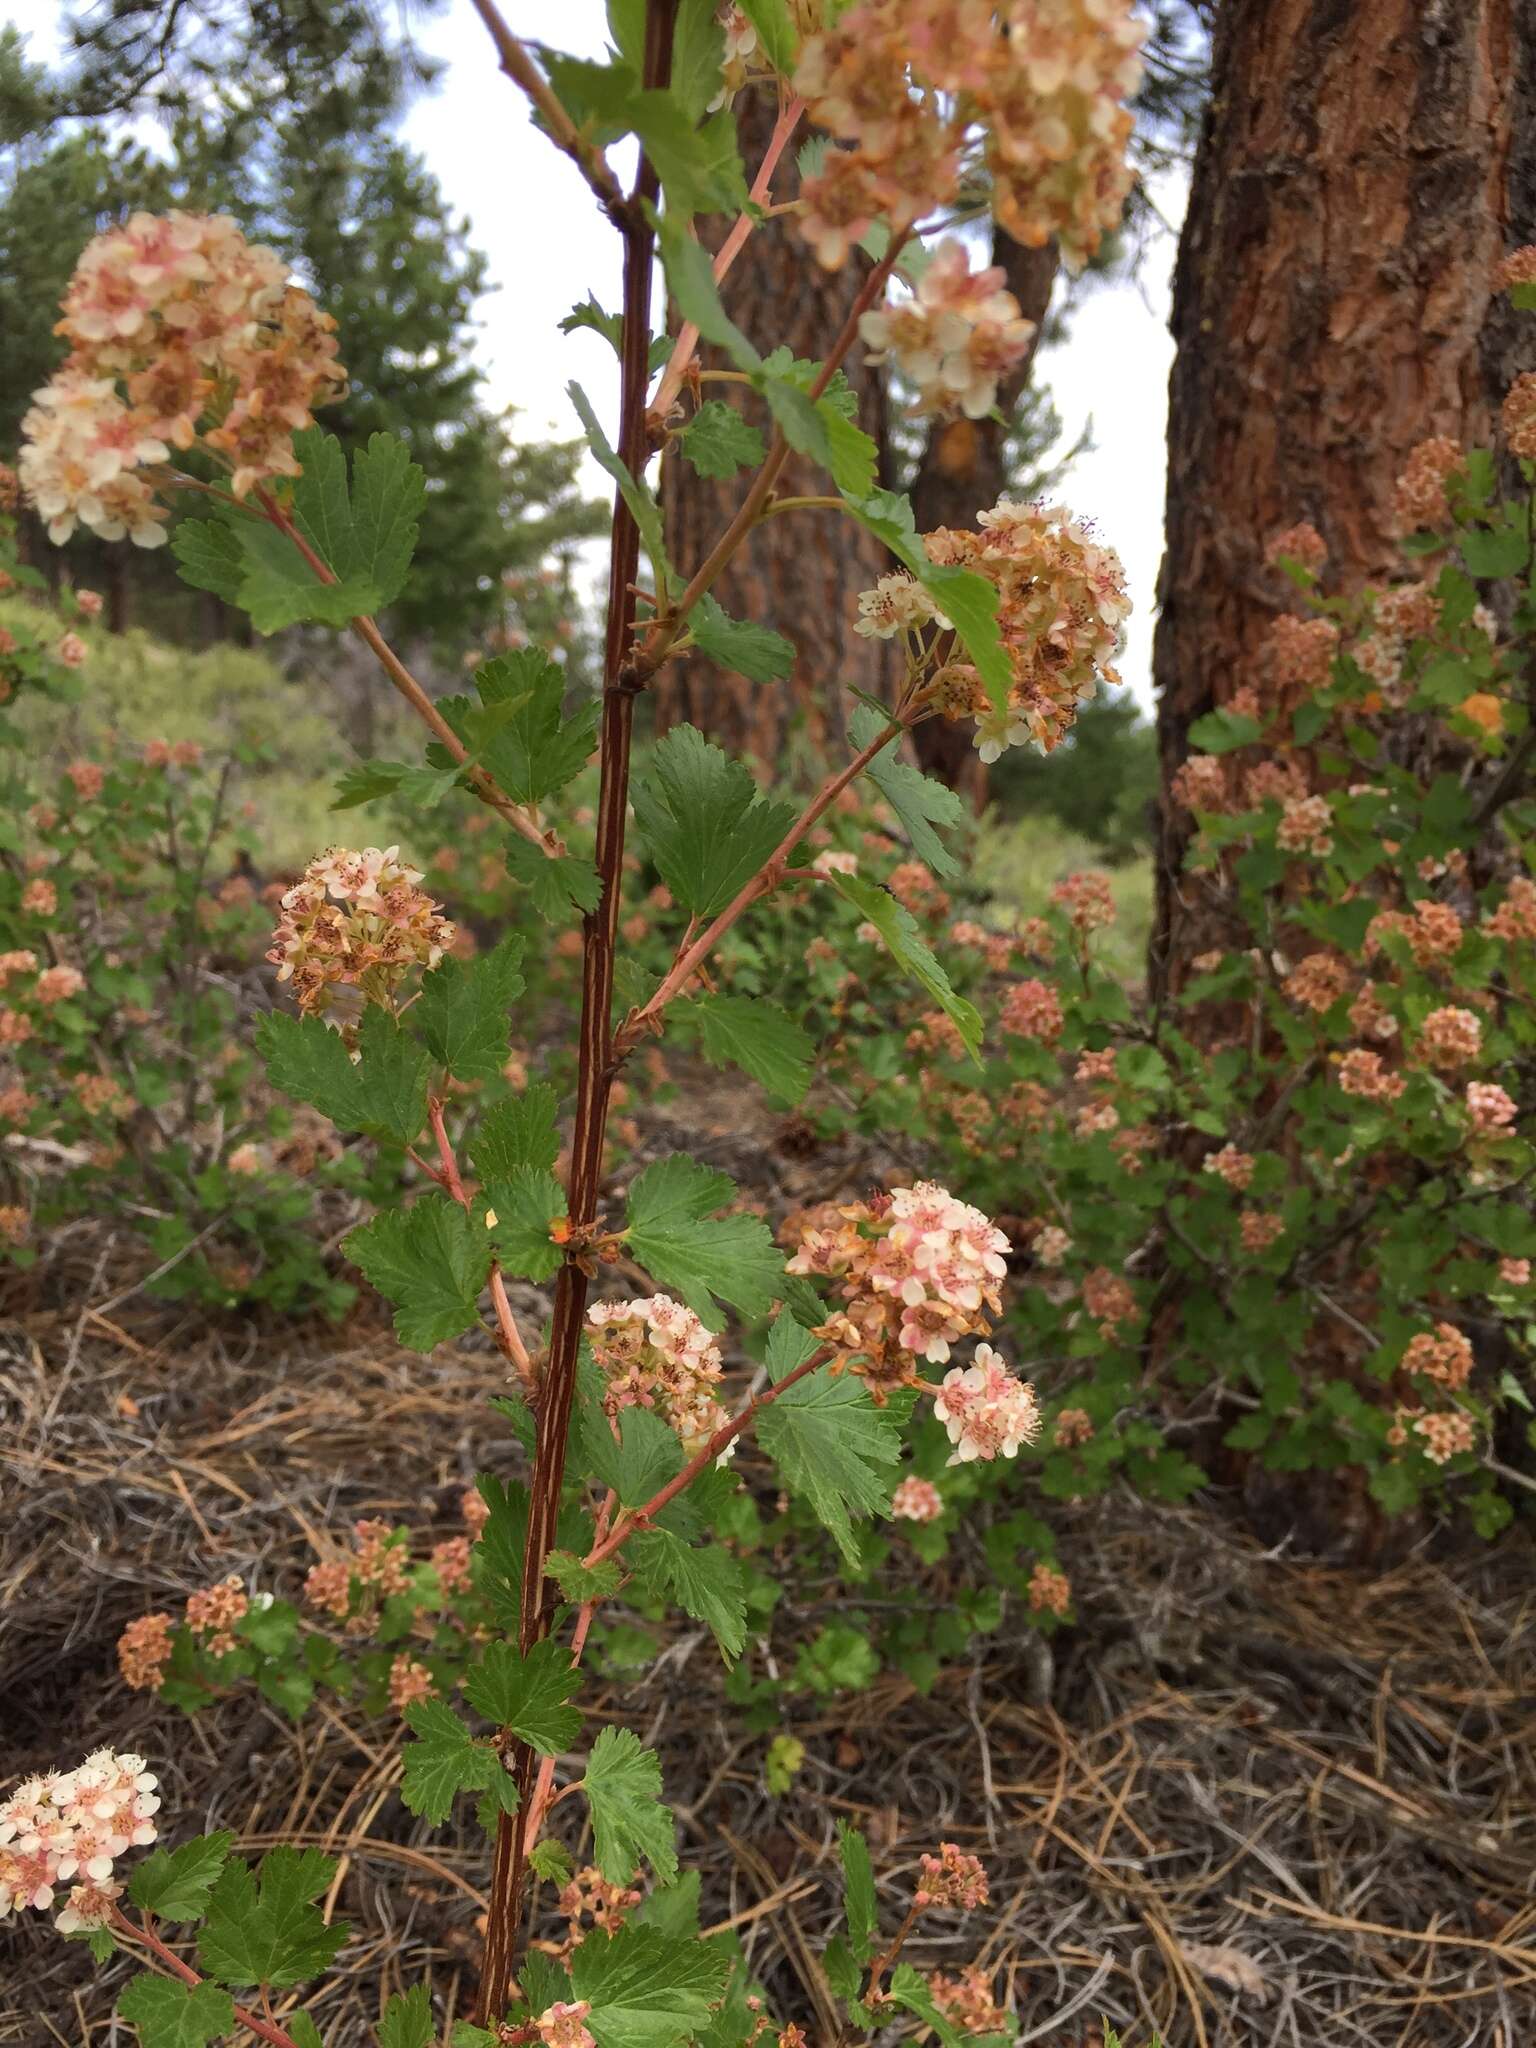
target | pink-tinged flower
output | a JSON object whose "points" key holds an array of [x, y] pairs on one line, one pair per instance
{"points": [[144, 1650], [1087, 899], [1073, 1427], [1050, 1245], [71, 650], [90, 603], [835, 860], [1050, 1591], [408, 1682], [1318, 981], [475, 1509], [180, 331], [655, 1353], [897, 604], [1230, 1165], [58, 984], [1446, 1435], [1259, 1231], [1442, 1354], [1032, 1009], [74, 1825], [89, 778], [562, 2025], [15, 1223], [954, 337], [352, 928], [1515, 1272], [1515, 917], [245, 1160], [1306, 826], [1362, 1074], [215, 1611], [1419, 501], [40, 898], [1451, 1037], [381, 1558], [985, 1410], [952, 1878], [1490, 1108], [1109, 1299], [1200, 784], [450, 1560], [328, 1587], [1302, 544], [966, 2000], [916, 1500], [1061, 607]]}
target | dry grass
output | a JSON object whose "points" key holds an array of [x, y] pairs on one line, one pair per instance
{"points": [[1317, 1784]]}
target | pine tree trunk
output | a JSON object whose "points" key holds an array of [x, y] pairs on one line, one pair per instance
{"points": [[1363, 167], [801, 572]]}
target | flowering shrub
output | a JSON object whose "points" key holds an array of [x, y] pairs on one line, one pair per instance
{"points": [[630, 1403]]}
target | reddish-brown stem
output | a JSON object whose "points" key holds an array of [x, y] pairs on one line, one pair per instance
{"points": [[688, 335], [637, 1518], [447, 1175], [882, 1963], [562, 130], [133, 1930], [692, 956], [367, 631], [539, 1804], [595, 1068]]}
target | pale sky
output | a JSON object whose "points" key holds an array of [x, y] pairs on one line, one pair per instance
{"points": [[547, 247]]}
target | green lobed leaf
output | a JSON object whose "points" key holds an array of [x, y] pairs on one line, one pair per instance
{"points": [[753, 651], [704, 1580], [497, 1559], [719, 442], [264, 1928], [517, 1133], [532, 749], [754, 1034], [647, 1989], [528, 1694], [898, 929], [525, 1203], [408, 2021], [909, 1988], [1223, 732], [431, 1260], [705, 822], [320, 509], [442, 1761], [918, 801], [674, 1235], [558, 885], [168, 2014], [209, 556], [383, 1092], [639, 1461], [389, 492], [832, 1445], [623, 1788], [462, 1010], [860, 1908], [578, 1581], [174, 1884]]}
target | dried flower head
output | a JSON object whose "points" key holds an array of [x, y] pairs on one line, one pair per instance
{"points": [[951, 1878], [352, 929]]}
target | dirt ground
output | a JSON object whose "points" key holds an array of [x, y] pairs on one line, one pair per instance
{"points": [[1249, 1800]]}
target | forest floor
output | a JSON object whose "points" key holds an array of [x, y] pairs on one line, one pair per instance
{"points": [[1247, 1799]]}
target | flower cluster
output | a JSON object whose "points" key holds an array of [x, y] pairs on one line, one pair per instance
{"points": [[1061, 603], [986, 1411], [75, 1824], [917, 1269], [1050, 1591], [1445, 1434], [654, 1353], [351, 929], [966, 2000], [1419, 500], [951, 1879], [179, 330], [1451, 1037], [916, 1500], [955, 337], [896, 604], [1043, 81], [1032, 1009], [215, 1611], [1442, 1354], [1491, 1108]]}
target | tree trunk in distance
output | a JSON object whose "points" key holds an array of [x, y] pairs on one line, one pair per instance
{"points": [[800, 573], [1363, 166]]}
